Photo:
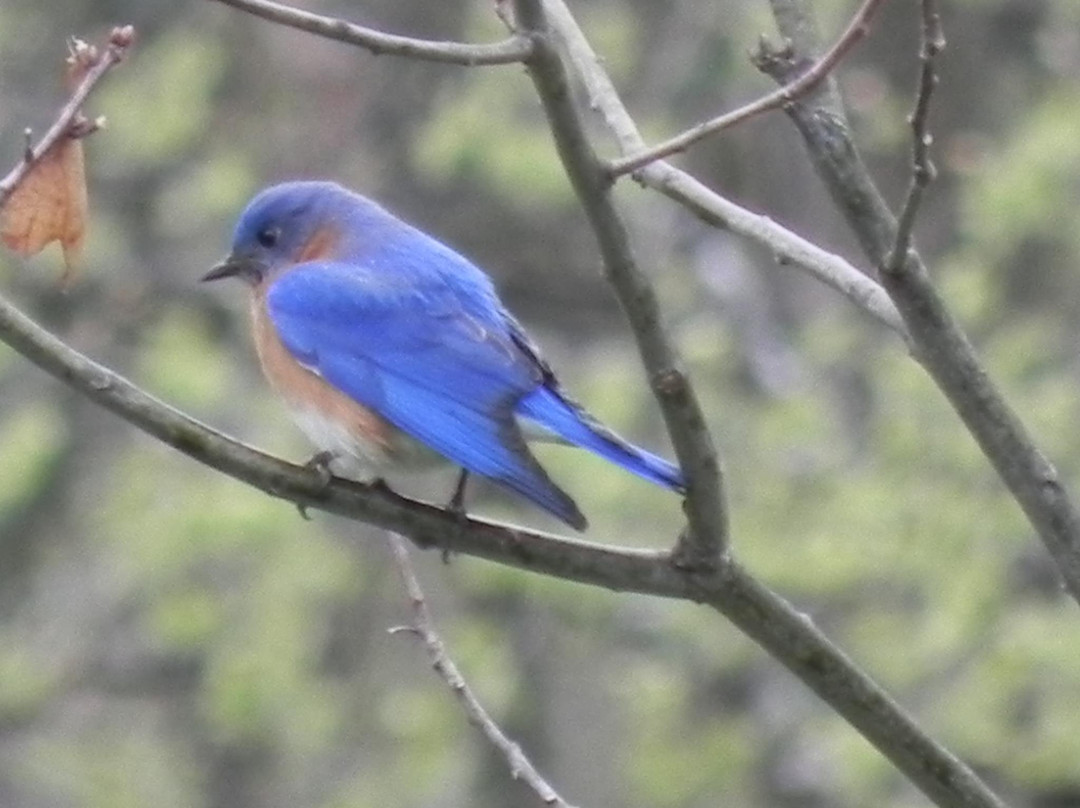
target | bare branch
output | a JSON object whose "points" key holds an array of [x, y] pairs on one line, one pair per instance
{"points": [[785, 633], [789, 248], [706, 539], [940, 343], [512, 50], [120, 40], [922, 170], [856, 30], [932, 768], [521, 768]]}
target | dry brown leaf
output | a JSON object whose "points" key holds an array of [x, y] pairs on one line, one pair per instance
{"points": [[50, 205]]}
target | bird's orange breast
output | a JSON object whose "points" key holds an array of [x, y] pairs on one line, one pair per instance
{"points": [[309, 395]]}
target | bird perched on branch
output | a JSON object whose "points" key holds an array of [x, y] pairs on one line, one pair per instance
{"points": [[391, 349]]}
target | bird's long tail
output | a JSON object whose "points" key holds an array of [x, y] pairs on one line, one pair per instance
{"points": [[548, 409]]}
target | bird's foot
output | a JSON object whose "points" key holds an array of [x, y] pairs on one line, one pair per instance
{"points": [[320, 464]]}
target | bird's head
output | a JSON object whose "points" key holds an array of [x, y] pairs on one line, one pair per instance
{"points": [[283, 226]]}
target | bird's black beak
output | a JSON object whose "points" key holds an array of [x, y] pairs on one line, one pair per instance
{"points": [[235, 266]]}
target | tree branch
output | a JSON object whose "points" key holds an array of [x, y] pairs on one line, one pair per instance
{"points": [[712, 208], [521, 768], [706, 539], [762, 615], [787, 634], [940, 343], [512, 50], [120, 40], [856, 30]]}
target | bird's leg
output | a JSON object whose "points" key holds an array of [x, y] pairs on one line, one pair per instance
{"points": [[320, 464], [456, 505]]}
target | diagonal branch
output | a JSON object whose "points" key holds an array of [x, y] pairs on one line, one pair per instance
{"points": [[856, 30], [706, 539], [512, 50], [939, 341], [120, 40], [679, 186], [521, 768]]}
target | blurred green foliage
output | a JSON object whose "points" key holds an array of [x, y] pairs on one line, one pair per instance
{"points": [[171, 638]]}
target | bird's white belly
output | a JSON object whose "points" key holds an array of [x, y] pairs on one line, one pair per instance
{"points": [[358, 457]]}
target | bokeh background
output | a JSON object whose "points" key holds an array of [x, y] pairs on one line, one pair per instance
{"points": [[169, 637]]}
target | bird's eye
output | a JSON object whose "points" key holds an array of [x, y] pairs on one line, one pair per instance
{"points": [[268, 236]]}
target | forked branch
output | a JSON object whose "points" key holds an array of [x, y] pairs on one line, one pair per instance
{"points": [[704, 543], [856, 30]]}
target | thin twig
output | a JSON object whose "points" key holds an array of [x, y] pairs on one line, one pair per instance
{"points": [[509, 51], [922, 170], [702, 545], [423, 627], [856, 30], [120, 40]]}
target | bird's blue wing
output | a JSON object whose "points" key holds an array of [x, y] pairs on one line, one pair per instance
{"points": [[438, 362]]}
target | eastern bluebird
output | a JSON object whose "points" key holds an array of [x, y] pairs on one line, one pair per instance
{"points": [[392, 349]]}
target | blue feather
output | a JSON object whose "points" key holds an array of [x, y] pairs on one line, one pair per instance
{"points": [[551, 410]]}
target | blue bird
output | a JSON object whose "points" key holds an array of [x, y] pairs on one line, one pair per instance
{"points": [[391, 349]]}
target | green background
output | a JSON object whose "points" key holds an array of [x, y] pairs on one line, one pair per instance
{"points": [[170, 637]]}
